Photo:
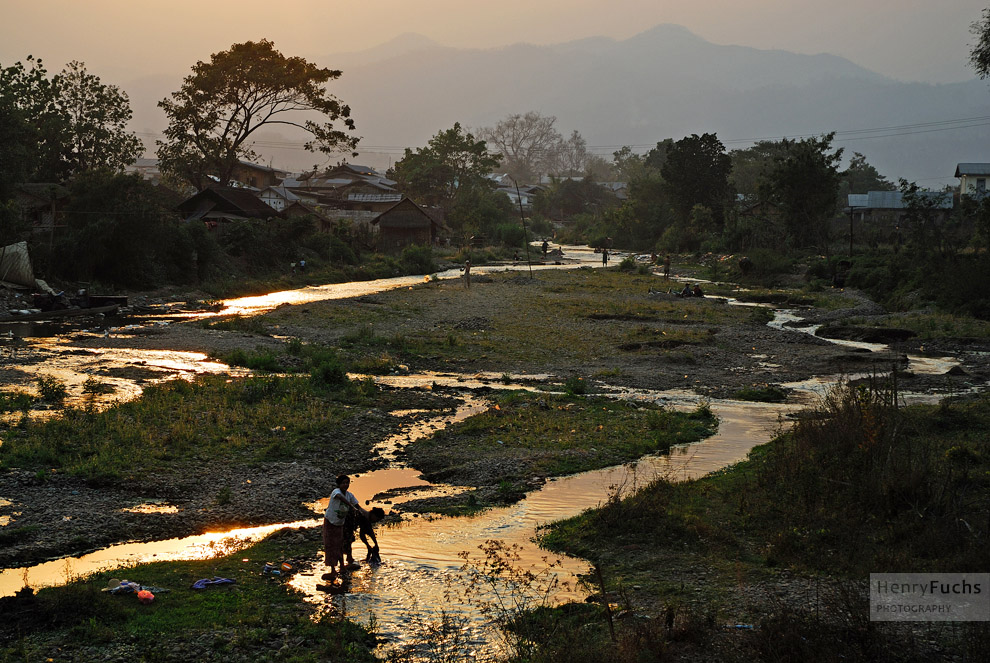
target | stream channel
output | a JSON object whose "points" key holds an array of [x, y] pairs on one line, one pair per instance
{"points": [[421, 574]]}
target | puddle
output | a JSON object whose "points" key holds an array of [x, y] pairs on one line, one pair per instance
{"points": [[152, 507]]}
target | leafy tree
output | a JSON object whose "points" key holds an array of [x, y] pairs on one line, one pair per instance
{"points": [[480, 210], [451, 160], [656, 158], [979, 56], [626, 164], [97, 136], [224, 101], [805, 184], [61, 126], [925, 219], [751, 165], [122, 230], [696, 172], [34, 127], [861, 177], [566, 198]]}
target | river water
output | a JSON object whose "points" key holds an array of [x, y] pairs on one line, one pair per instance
{"points": [[421, 574]]}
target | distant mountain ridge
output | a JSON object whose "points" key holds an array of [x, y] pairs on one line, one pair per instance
{"points": [[664, 82]]}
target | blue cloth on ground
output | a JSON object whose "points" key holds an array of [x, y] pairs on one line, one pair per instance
{"points": [[217, 580]]}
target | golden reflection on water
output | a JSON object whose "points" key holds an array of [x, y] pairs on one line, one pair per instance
{"points": [[203, 546], [151, 507]]}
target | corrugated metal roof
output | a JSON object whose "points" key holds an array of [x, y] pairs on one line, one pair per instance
{"points": [[972, 169], [858, 199], [895, 199], [374, 197]]}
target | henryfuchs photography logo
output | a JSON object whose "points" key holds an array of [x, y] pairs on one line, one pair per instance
{"points": [[930, 597]]}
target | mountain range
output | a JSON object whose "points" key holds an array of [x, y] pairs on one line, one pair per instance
{"points": [[664, 82]]}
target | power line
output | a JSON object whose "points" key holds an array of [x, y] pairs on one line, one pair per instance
{"points": [[847, 135]]}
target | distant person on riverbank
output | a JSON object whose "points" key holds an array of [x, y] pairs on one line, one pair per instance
{"points": [[467, 273], [604, 257], [666, 267], [335, 544], [686, 292], [697, 291]]}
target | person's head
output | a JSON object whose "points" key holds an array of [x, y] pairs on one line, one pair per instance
{"points": [[343, 481], [376, 514]]}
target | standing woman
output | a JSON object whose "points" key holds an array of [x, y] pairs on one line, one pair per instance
{"points": [[342, 501]]}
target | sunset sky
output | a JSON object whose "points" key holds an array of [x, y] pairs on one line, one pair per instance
{"points": [[911, 40]]}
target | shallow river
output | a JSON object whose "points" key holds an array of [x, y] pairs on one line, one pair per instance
{"points": [[422, 556]]}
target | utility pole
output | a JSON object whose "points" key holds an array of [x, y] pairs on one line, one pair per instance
{"points": [[522, 220]]}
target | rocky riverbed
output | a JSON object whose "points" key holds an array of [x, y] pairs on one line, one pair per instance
{"points": [[60, 515]]}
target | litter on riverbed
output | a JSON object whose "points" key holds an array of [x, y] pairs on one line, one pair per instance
{"points": [[217, 580]]}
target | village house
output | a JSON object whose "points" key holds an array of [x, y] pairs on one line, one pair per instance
{"points": [[881, 214], [41, 204], [973, 178], [224, 204], [279, 197], [256, 176], [405, 223]]}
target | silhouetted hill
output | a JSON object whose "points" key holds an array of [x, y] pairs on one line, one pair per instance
{"points": [[664, 82]]}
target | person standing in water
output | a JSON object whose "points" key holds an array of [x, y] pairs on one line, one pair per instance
{"points": [[342, 503]]}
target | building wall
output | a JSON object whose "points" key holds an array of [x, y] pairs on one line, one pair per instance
{"points": [[973, 184]]}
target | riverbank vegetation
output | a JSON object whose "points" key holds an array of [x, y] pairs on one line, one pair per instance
{"points": [[860, 485], [216, 419], [255, 618]]}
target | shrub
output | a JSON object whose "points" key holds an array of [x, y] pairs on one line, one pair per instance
{"points": [[418, 259], [52, 389], [328, 374]]}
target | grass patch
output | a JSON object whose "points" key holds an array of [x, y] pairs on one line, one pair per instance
{"points": [[770, 393], [15, 401], [930, 324], [247, 621], [241, 420], [251, 324], [547, 435]]}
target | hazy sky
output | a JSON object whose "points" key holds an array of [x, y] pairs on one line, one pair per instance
{"points": [[911, 40]]}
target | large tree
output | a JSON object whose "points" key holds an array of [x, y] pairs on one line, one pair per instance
{"points": [[862, 177], [34, 127], [804, 183], [64, 125], [97, 136], [751, 165], [531, 147], [979, 56], [452, 159], [696, 172], [224, 101]]}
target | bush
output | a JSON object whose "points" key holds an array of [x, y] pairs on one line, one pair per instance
{"points": [[328, 374], [418, 259], [511, 234], [52, 389]]}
